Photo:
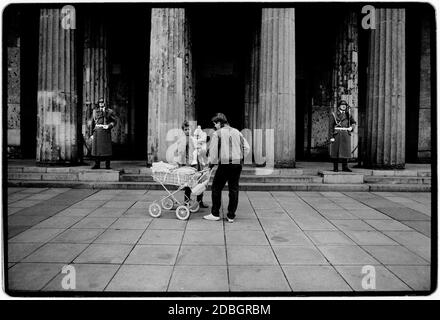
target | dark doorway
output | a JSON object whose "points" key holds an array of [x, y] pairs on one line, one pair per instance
{"points": [[220, 38]]}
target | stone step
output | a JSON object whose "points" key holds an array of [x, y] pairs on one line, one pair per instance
{"points": [[243, 186], [243, 178], [397, 180]]}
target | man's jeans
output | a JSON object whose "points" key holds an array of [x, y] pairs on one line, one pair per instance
{"points": [[226, 173]]}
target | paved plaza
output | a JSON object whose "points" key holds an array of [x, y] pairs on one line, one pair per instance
{"points": [[295, 242]]}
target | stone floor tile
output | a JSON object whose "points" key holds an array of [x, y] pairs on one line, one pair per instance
{"points": [[315, 278], [21, 220], [118, 204], [202, 255], [244, 224], [287, 238], [171, 237], [384, 279], [169, 224], [89, 277], [153, 254], [417, 277], [388, 225], [131, 223], [355, 225], [199, 279], [424, 227], [107, 212], [340, 214], [56, 252], [250, 255], [138, 278], [58, 222], [257, 278], [123, 236], [104, 253], [299, 255], [94, 223], [203, 225], [32, 276], [368, 214], [75, 212], [88, 204]]}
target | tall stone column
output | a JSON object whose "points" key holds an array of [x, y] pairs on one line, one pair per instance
{"points": [[95, 68], [276, 105], [424, 136], [171, 87], [57, 136], [345, 71], [386, 91]]}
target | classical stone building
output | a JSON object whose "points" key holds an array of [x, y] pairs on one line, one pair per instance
{"points": [[277, 73]]}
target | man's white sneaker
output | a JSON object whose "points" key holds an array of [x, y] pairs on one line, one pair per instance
{"points": [[211, 217], [230, 220]]}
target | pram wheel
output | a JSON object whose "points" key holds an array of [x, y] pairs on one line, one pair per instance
{"points": [[182, 212], [154, 210], [167, 204], [194, 206]]}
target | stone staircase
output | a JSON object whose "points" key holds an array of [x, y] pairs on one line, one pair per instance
{"points": [[309, 178]]}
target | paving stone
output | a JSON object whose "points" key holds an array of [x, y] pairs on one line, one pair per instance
{"points": [[15, 230], [168, 224], [198, 237], [337, 214], [88, 204], [78, 236], [414, 241], [32, 276], [89, 277], [24, 203], [153, 254], [242, 224], [368, 214], [107, 212], [137, 278], [42, 196], [104, 253], [424, 227], [122, 236], [199, 279], [44, 209], [94, 223], [136, 213], [404, 214], [11, 211], [246, 237], [346, 255], [75, 212], [171, 237], [56, 252], [58, 222], [395, 255], [257, 278], [287, 238], [358, 225], [202, 255], [279, 224], [131, 223], [315, 278], [388, 225], [417, 277], [299, 255], [250, 255], [25, 221], [205, 225], [312, 222], [369, 238], [36, 235], [384, 279], [329, 237], [18, 251], [118, 204]]}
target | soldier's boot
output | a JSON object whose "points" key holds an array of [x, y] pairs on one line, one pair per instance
{"points": [[97, 164], [335, 166], [107, 164], [345, 166]]}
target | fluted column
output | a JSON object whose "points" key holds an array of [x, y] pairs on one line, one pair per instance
{"points": [[424, 136], [57, 136], [386, 91], [171, 87], [345, 71], [95, 67], [276, 105]]}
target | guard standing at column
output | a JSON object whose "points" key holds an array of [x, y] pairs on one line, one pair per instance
{"points": [[342, 124], [103, 120]]}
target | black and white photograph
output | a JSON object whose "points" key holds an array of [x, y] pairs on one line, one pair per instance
{"points": [[219, 149]]}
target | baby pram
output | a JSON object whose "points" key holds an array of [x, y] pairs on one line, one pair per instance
{"points": [[181, 177]]}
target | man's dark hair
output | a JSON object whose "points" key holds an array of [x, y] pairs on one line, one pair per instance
{"points": [[185, 124], [220, 117]]}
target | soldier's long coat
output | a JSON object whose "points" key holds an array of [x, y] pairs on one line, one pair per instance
{"points": [[341, 147], [102, 138]]}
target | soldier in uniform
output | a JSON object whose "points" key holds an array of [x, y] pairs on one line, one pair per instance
{"points": [[103, 120], [342, 124]]}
